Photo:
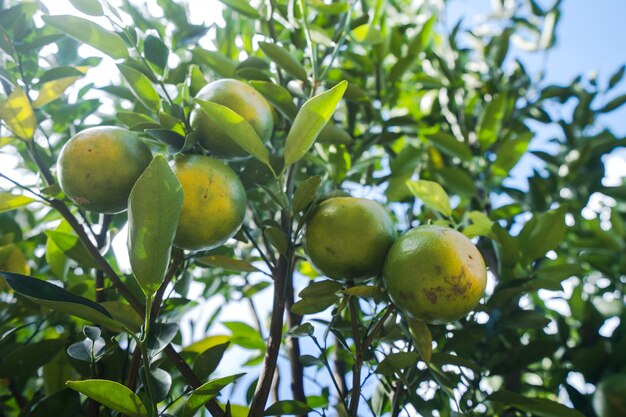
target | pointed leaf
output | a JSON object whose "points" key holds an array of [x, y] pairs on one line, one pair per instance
{"points": [[284, 60], [141, 87], [10, 202], [287, 408], [56, 298], [89, 7], [222, 65], [243, 7], [491, 121], [154, 207], [18, 114], [449, 145], [111, 394], [237, 128], [422, 339], [71, 246], [52, 90], [305, 193], [309, 122], [209, 360], [614, 104], [432, 194], [156, 51], [219, 261], [90, 33], [279, 96], [204, 393], [541, 407]]}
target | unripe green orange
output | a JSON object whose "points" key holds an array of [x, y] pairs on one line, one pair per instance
{"points": [[214, 202], [435, 274], [243, 100], [98, 167], [348, 238]]}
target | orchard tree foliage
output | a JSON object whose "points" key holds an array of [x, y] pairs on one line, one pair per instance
{"points": [[381, 99]]}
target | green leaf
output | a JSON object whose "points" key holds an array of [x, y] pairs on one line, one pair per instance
{"points": [[316, 297], [71, 246], [614, 104], [237, 129], [310, 120], [64, 403], [510, 152], [284, 60], [243, 7], [432, 194], [303, 330], [481, 225], [206, 392], [544, 232], [396, 362], [617, 77], [222, 65], [209, 360], [331, 133], [287, 407], [491, 121], [423, 340], [56, 298], [245, 335], [537, 406], [367, 35], [448, 144], [90, 33], [53, 86], [141, 87], [89, 7], [26, 359], [366, 291], [18, 114], [279, 96], [154, 207], [156, 51], [111, 394], [423, 38], [219, 261], [160, 335], [10, 201], [440, 359], [305, 193]]}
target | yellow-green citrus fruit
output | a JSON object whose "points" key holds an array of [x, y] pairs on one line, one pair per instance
{"points": [[98, 167], [214, 202], [243, 100], [609, 400], [435, 274], [348, 238]]}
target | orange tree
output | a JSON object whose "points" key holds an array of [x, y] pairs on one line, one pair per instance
{"points": [[376, 99]]}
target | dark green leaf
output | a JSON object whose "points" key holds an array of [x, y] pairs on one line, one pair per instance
{"points": [[287, 407], [303, 330], [422, 338], [394, 363], [614, 104], [162, 382], [90, 33], [156, 51], [366, 291], [509, 153], [310, 120], [537, 406], [305, 193], [56, 298], [284, 60], [544, 232], [209, 360], [111, 394], [26, 359], [64, 403], [617, 77], [160, 335], [154, 207]]}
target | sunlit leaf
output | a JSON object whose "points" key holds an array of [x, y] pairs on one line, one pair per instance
{"points": [[141, 87], [422, 338], [491, 121], [18, 115], [154, 207], [310, 120], [10, 201], [90, 33], [111, 394], [432, 194], [284, 60], [204, 393]]}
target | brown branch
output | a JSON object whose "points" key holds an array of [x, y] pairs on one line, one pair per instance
{"points": [[358, 360], [293, 348], [379, 326]]}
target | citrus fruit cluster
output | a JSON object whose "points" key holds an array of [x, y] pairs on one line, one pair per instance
{"points": [[98, 167], [431, 273]]}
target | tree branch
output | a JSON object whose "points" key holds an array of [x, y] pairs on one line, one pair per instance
{"points": [[293, 347]]}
